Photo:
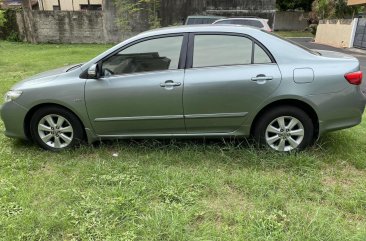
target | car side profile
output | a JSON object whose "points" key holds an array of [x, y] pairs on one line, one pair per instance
{"points": [[253, 22], [191, 81]]}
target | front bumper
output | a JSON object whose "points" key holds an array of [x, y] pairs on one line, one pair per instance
{"points": [[13, 116]]}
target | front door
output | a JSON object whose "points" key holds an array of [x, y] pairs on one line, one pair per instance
{"points": [[140, 92]]}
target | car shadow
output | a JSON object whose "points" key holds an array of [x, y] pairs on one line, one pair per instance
{"points": [[329, 149]]}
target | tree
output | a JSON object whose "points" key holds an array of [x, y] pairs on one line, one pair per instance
{"points": [[326, 9], [2, 16], [127, 10], [27, 4], [285, 5]]}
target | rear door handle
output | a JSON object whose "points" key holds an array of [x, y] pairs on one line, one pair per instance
{"points": [[170, 83], [262, 77]]}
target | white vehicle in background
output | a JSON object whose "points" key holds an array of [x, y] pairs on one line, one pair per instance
{"points": [[252, 21]]}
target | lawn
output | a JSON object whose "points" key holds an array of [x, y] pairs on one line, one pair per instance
{"points": [[174, 189], [294, 34]]}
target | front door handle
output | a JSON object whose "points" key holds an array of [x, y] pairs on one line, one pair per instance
{"points": [[170, 84], [262, 77]]}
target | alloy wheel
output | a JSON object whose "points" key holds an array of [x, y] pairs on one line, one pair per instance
{"points": [[285, 133], [55, 131]]}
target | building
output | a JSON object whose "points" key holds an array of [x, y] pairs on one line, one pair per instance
{"points": [[350, 33], [11, 4], [359, 34], [356, 2], [69, 5]]}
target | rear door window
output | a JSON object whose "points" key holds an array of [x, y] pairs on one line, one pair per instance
{"points": [[225, 50], [218, 50]]}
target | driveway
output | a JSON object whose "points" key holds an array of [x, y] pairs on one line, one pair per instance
{"points": [[359, 54]]}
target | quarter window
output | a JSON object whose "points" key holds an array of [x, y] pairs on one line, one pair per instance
{"points": [[150, 55], [260, 56], [217, 50]]}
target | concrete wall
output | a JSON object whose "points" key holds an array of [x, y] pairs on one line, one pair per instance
{"points": [[337, 33], [61, 27], [66, 5], [291, 21], [356, 2]]}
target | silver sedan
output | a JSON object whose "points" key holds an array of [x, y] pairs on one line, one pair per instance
{"points": [[195, 81]]}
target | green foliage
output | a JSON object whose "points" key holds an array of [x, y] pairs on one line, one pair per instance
{"points": [[294, 34], [326, 9], [13, 37], [129, 11], [313, 28], [174, 190], [284, 5], [2, 18]]}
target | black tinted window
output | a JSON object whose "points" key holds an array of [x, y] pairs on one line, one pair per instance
{"points": [[151, 55], [216, 50]]}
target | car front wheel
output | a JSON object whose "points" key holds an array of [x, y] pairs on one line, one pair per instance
{"points": [[284, 129], [55, 129]]}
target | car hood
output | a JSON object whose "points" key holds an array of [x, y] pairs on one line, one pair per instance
{"points": [[45, 76]]}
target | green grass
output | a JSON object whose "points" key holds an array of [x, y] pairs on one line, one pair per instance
{"points": [[178, 189], [294, 34]]}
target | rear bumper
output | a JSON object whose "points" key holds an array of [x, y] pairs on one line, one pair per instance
{"points": [[13, 116], [340, 110]]}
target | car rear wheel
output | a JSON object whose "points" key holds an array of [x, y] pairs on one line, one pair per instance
{"points": [[55, 129], [284, 129]]}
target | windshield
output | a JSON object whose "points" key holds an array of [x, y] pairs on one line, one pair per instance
{"points": [[294, 43]]}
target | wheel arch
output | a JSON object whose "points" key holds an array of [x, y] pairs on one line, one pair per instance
{"points": [[289, 102], [30, 113]]}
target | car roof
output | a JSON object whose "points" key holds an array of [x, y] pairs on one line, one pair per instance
{"points": [[246, 18], [199, 28]]}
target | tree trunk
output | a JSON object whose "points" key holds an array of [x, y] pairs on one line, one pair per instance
{"points": [[27, 4]]}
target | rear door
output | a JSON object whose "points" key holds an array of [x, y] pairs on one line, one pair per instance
{"points": [[227, 77]]}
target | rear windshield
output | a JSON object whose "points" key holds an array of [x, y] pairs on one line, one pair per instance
{"points": [[194, 21], [294, 43], [249, 22]]}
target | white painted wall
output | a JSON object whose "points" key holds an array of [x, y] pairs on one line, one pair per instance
{"points": [[66, 5]]}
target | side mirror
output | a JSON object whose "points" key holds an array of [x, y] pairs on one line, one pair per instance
{"points": [[94, 72]]}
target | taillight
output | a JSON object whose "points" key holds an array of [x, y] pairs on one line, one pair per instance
{"points": [[354, 78]]}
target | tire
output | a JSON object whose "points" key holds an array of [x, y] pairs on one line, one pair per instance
{"points": [[284, 129], [55, 129]]}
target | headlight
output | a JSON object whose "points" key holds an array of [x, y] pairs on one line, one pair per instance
{"points": [[12, 95]]}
